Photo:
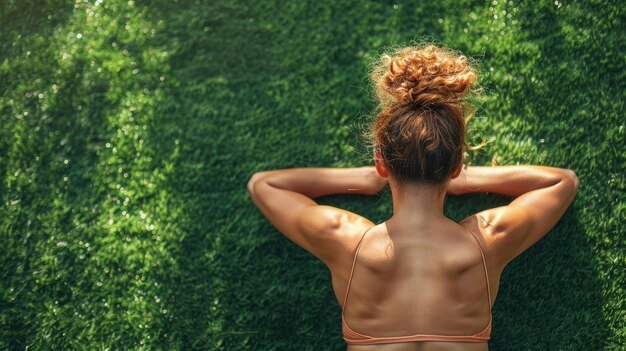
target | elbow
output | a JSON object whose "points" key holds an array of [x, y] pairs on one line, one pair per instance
{"points": [[251, 182], [571, 178], [254, 180]]}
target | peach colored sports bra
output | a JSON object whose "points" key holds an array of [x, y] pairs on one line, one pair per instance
{"points": [[355, 338]]}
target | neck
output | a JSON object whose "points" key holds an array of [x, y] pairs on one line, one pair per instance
{"points": [[417, 202]]}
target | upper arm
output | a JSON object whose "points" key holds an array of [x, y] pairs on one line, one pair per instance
{"points": [[510, 230], [323, 231]]}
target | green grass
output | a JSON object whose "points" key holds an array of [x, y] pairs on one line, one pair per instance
{"points": [[129, 130]]}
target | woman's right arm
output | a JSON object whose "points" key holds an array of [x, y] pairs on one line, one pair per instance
{"points": [[541, 196]]}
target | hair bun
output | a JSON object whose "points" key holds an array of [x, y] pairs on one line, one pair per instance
{"points": [[422, 75]]}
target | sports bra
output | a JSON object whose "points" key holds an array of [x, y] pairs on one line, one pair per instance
{"points": [[356, 338]]}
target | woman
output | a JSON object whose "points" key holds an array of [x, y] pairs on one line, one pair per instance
{"points": [[417, 281]]}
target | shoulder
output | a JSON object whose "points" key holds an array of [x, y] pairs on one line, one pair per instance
{"points": [[496, 229], [334, 232]]}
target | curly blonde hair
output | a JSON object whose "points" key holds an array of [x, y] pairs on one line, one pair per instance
{"points": [[420, 125]]}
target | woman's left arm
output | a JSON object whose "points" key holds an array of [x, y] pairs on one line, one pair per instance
{"points": [[285, 197]]}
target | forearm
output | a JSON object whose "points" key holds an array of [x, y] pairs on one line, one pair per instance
{"points": [[507, 180], [317, 181]]}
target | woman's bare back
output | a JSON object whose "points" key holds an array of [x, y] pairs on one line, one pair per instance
{"points": [[412, 278]]}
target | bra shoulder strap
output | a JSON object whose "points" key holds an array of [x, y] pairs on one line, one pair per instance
{"points": [[356, 253], [482, 254]]}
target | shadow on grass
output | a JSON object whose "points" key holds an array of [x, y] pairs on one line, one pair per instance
{"points": [[212, 293], [26, 19]]}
